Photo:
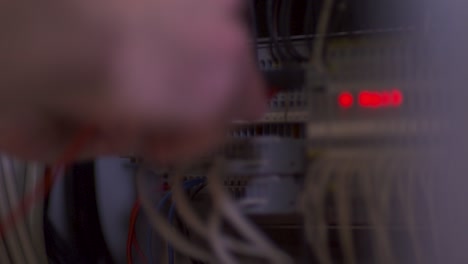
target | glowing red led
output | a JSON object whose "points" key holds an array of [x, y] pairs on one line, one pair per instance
{"points": [[397, 98], [365, 98], [372, 99], [386, 98], [346, 100]]}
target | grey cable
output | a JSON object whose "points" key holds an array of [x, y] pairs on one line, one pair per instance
{"points": [[234, 216], [34, 173], [406, 185], [218, 244], [10, 235], [383, 247], [385, 188], [344, 207], [166, 230], [19, 172], [216, 238], [315, 193], [13, 197], [192, 220], [3, 251]]}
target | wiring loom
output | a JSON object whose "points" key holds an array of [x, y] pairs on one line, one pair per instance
{"points": [[15, 217]]}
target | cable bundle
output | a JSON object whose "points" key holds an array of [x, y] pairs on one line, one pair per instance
{"points": [[396, 207], [22, 189], [223, 248], [25, 242], [279, 16]]}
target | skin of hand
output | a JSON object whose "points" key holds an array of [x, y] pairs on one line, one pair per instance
{"points": [[163, 78]]}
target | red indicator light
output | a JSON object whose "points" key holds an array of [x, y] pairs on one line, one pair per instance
{"points": [[370, 99], [386, 98], [397, 98], [346, 100]]}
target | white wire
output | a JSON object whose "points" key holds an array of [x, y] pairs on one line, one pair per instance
{"points": [[376, 219], [406, 185], [343, 201], [34, 173], [12, 193], [10, 236], [322, 27], [315, 194], [384, 201], [234, 216], [193, 221], [3, 249], [216, 238], [430, 199], [164, 229], [19, 172], [217, 242]]}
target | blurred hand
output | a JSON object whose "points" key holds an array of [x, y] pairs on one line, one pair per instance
{"points": [[159, 77]]}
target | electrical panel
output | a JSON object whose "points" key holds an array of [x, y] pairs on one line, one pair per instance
{"points": [[344, 166]]}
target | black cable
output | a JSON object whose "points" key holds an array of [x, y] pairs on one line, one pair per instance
{"points": [[58, 249], [309, 24], [83, 214], [282, 18], [285, 21], [275, 47], [254, 25]]}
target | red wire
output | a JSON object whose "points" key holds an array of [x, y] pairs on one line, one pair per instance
{"points": [[43, 188], [131, 239], [139, 250], [133, 216]]}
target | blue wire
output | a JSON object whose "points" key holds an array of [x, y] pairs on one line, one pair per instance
{"points": [[187, 185]]}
